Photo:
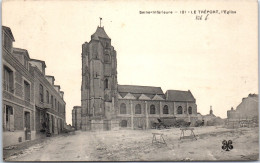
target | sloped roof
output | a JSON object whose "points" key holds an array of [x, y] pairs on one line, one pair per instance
{"points": [[157, 97], [139, 89], [37, 60], [21, 51], [144, 97], [9, 31], [129, 96], [100, 32], [176, 95], [122, 94]]}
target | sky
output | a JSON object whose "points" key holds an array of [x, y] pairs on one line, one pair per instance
{"points": [[216, 59]]}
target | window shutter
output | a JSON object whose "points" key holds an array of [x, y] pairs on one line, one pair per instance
{"points": [[11, 82]]}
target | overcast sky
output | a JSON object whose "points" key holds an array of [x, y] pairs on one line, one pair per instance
{"points": [[215, 59]]}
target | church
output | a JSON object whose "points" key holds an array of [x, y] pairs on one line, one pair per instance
{"points": [[106, 105]]}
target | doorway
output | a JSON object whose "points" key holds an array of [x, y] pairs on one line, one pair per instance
{"points": [[53, 123], [123, 123], [27, 125]]}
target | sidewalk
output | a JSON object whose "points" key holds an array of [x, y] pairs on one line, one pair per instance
{"points": [[19, 148]]}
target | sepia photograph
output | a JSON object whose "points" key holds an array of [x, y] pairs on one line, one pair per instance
{"points": [[115, 80]]}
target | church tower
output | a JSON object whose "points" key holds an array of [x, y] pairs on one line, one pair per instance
{"points": [[99, 83]]}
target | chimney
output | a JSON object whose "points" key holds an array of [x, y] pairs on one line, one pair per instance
{"points": [[211, 111], [61, 94]]}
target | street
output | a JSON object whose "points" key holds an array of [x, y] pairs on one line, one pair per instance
{"points": [[136, 145]]}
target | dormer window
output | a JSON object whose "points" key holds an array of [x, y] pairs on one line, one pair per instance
{"points": [[8, 79], [7, 43]]}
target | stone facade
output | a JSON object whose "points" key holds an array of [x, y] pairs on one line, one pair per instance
{"points": [[76, 117], [21, 80], [99, 80], [49, 102], [107, 105], [140, 106], [246, 110]]}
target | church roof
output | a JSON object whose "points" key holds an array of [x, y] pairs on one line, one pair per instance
{"points": [[176, 95], [100, 33], [139, 89]]}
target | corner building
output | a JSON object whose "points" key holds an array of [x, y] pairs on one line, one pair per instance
{"points": [[107, 105], [30, 98]]}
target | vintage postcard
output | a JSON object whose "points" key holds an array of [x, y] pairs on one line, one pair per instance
{"points": [[173, 80]]}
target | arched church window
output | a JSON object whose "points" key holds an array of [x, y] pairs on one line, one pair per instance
{"points": [[123, 108], [106, 83], [179, 110], [152, 109], [138, 109], [107, 58], [123, 123], [190, 110], [165, 109]]}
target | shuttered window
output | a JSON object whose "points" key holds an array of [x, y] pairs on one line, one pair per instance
{"points": [[8, 79]]}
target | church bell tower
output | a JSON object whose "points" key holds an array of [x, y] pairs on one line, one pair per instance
{"points": [[99, 83]]}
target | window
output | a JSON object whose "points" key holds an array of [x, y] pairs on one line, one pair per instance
{"points": [[165, 109], [152, 109], [138, 109], [123, 123], [106, 83], [55, 104], [51, 101], [27, 91], [123, 108], [179, 110], [107, 44], [107, 58], [9, 118], [7, 43], [41, 93], [47, 97], [25, 63], [190, 110], [58, 106], [8, 79]]}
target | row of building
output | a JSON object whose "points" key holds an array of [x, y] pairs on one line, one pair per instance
{"points": [[33, 106]]}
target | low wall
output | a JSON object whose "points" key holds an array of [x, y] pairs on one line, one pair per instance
{"points": [[12, 138]]}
